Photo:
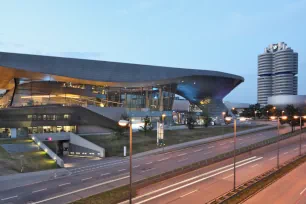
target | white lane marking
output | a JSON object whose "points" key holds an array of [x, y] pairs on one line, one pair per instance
{"points": [[207, 153], [303, 191], [222, 144], [149, 163], [121, 170], [86, 178], [296, 149], [272, 158], [136, 166], [254, 165], [181, 154], [9, 198], [198, 150], [100, 165], [286, 153], [194, 182], [64, 184], [39, 190], [83, 189], [182, 196], [240, 139], [164, 159], [193, 178], [105, 174], [211, 147], [228, 176], [241, 143], [148, 170], [182, 160]]}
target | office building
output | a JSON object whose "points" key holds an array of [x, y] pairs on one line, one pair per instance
{"points": [[277, 72]]}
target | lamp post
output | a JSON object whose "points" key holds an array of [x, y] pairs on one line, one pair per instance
{"points": [[235, 138], [163, 120], [267, 114], [283, 112], [278, 135], [223, 115], [124, 123], [300, 117]]}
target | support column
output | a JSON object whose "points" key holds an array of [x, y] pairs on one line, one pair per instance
{"points": [[147, 99], [13, 132], [161, 99]]}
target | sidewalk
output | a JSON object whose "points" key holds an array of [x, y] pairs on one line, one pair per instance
{"points": [[201, 141]]}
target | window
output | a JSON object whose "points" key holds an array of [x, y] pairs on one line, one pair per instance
{"points": [[44, 117], [30, 117], [66, 116]]}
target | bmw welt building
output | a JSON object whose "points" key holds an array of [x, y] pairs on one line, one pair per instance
{"points": [[53, 94]]}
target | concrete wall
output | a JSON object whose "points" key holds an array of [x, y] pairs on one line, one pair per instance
{"points": [[79, 141], [113, 113], [53, 136], [87, 129]]}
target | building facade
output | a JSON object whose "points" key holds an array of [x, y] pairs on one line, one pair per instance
{"points": [[86, 93], [277, 72]]}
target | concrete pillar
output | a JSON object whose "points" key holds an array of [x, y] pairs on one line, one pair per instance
{"points": [[125, 100], [147, 99], [13, 132], [161, 100]]}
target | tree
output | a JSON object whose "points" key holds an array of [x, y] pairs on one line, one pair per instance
{"points": [[190, 122], [291, 111], [147, 127], [234, 111]]}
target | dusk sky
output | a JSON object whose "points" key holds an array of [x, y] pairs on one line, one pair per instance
{"points": [[213, 35]]}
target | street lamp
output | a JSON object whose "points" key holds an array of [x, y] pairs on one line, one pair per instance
{"points": [[278, 135], [235, 136], [268, 114], [124, 123], [283, 112], [296, 117]]}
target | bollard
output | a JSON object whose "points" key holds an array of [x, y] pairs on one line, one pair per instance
{"points": [[124, 151]]}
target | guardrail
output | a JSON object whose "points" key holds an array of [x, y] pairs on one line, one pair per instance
{"points": [[44, 147]]}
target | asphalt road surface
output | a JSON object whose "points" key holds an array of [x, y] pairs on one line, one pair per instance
{"points": [[290, 189], [207, 183], [104, 175]]}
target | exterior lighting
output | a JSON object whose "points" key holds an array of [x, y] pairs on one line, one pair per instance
{"points": [[284, 117], [233, 108], [38, 143], [101, 105], [194, 82], [242, 119], [274, 107], [32, 138], [296, 117], [163, 115], [273, 117], [304, 117], [223, 113], [228, 118], [123, 123], [46, 150]]}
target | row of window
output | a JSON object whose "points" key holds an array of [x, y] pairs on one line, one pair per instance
{"points": [[49, 117]]}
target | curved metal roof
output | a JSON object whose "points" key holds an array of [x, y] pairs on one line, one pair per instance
{"points": [[100, 70]]}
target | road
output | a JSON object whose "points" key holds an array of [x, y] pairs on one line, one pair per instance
{"points": [[290, 189], [207, 183], [102, 176]]}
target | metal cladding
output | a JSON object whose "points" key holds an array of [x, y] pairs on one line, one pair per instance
{"points": [[277, 70], [196, 86]]}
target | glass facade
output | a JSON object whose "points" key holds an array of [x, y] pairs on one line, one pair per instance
{"points": [[33, 93]]}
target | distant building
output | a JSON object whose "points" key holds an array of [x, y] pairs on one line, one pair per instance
{"points": [[281, 101], [277, 70]]}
